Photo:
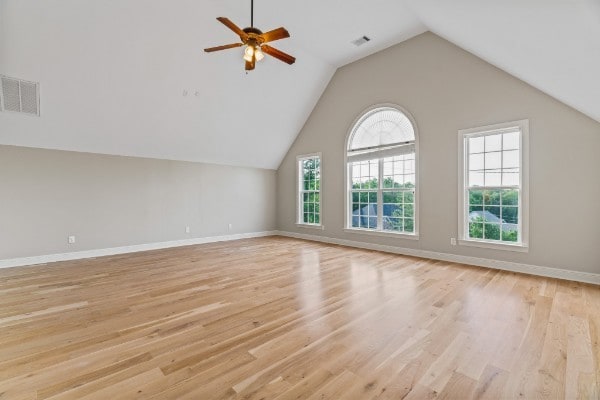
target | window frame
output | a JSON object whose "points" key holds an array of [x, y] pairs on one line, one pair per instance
{"points": [[523, 187], [300, 191], [348, 175]]}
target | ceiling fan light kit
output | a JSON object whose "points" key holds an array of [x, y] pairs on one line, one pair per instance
{"points": [[255, 41]]}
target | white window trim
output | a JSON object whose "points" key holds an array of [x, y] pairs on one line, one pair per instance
{"points": [[299, 212], [463, 238], [347, 204]]}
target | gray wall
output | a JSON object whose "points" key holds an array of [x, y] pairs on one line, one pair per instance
{"points": [[446, 89], [111, 201]]}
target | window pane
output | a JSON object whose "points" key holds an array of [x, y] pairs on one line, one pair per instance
{"points": [[476, 162], [510, 215], [409, 210], [491, 197], [388, 168], [509, 235], [392, 197], [476, 145], [409, 225], [510, 197], [392, 210], [372, 223], [372, 197], [493, 178], [510, 177], [475, 230], [392, 224], [493, 160], [381, 127], [388, 182], [493, 143], [475, 197], [476, 214], [511, 141], [317, 208], [355, 170], [510, 159], [409, 180], [409, 167], [476, 178], [491, 214], [491, 231], [409, 197]]}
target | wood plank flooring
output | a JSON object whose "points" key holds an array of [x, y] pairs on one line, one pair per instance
{"points": [[279, 318]]}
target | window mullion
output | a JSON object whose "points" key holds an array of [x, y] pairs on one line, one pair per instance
{"points": [[380, 196]]}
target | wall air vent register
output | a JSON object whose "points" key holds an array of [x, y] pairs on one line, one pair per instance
{"points": [[17, 95]]}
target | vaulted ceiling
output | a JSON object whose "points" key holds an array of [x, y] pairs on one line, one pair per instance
{"points": [[129, 77]]}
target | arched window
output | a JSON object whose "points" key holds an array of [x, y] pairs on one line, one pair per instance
{"points": [[382, 172]]}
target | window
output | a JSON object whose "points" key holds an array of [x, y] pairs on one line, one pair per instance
{"points": [[493, 195], [382, 173], [309, 190]]}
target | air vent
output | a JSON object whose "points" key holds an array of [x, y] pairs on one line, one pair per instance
{"points": [[19, 96], [361, 40]]}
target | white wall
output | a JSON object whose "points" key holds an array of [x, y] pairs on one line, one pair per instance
{"points": [[447, 89], [112, 201]]}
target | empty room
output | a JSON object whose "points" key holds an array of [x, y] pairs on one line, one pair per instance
{"points": [[269, 200]]}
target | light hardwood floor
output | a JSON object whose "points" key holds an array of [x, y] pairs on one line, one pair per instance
{"points": [[278, 318]]}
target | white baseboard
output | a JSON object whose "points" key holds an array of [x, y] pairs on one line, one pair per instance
{"points": [[18, 262], [577, 276]]}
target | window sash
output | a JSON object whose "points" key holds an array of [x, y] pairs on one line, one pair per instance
{"points": [[302, 191], [467, 187], [380, 190]]}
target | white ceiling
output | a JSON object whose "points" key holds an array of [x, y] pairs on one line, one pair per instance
{"points": [[113, 72]]}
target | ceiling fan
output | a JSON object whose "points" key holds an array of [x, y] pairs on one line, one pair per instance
{"points": [[255, 42]]}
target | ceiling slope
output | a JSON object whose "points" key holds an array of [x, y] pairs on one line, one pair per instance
{"points": [[554, 45], [129, 77]]}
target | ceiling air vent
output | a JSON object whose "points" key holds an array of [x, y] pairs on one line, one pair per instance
{"points": [[19, 96], [361, 40]]}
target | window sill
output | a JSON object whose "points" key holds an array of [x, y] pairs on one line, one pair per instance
{"points": [[310, 226], [398, 235], [522, 248]]}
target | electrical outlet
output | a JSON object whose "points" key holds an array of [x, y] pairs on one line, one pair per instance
{"points": [[453, 241], [71, 239], [187, 229], [230, 226]]}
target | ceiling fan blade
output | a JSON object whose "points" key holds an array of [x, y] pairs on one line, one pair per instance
{"points": [[275, 34], [280, 55], [224, 47], [243, 35]]}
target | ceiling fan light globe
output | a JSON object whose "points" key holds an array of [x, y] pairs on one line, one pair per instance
{"points": [[259, 54], [249, 51]]}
